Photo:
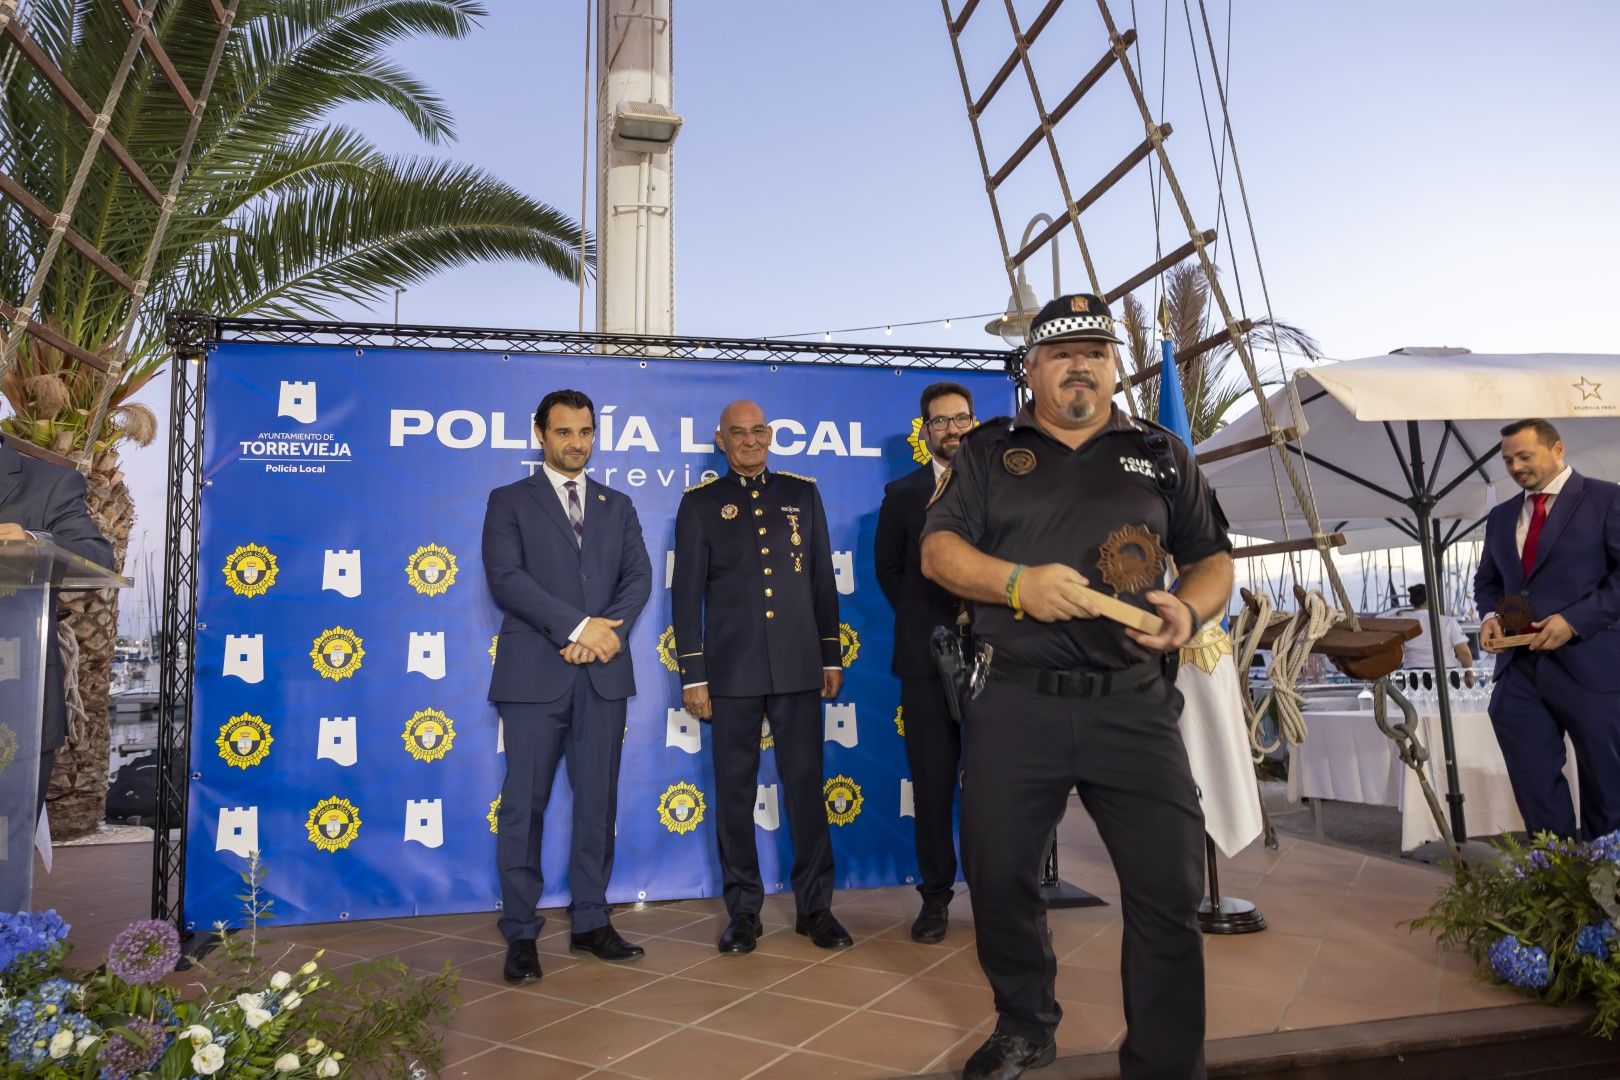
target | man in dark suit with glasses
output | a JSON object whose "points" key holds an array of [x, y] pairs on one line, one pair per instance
{"points": [[933, 738]]}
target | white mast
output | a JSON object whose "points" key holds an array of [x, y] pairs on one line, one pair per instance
{"points": [[635, 132]]}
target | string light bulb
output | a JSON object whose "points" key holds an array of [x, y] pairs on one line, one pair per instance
{"points": [[888, 330], [947, 324], [827, 336]]}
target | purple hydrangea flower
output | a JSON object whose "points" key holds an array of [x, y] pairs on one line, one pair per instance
{"points": [[122, 1056], [1519, 964], [144, 952], [1593, 940]]}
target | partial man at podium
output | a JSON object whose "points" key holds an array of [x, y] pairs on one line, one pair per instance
{"points": [[41, 501]]}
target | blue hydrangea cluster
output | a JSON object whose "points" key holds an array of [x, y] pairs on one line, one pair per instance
{"points": [[37, 1018], [1604, 849], [1519, 964], [1593, 940], [25, 933]]}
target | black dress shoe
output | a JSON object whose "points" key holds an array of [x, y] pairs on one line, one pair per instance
{"points": [[821, 928], [931, 922], [522, 962], [1005, 1056], [604, 943], [741, 933]]}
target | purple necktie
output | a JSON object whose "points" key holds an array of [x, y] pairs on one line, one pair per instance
{"points": [[576, 512]]}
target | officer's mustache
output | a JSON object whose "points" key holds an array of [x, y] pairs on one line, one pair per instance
{"points": [[1080, 380]]}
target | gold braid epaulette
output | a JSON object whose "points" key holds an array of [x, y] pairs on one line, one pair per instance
{"points": [[796, 476], [700, 484]]}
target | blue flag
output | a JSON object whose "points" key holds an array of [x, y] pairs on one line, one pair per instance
{"points": [[1172, 406]]}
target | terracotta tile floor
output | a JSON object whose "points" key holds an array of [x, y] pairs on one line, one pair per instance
{"points": [[1335, 953]]}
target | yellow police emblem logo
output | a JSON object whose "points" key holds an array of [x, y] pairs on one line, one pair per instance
{"points": [[431, 570], [429, 735], [1018, 461], [849, 641], [494, 815], [250, 570], [8, 747], [244, 740], [900, 720], [681, 807], [843, 797], [494, 646], [919, 445], [766, 739], [337, 653], [333, 824], [728, 511], [1079, 305], [666, 649]]}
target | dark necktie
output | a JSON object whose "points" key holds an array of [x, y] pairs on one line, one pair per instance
{"points": [[1538, 518], [576, 512]]}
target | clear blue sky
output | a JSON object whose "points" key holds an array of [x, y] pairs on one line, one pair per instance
{"points": [[1434, 173]]}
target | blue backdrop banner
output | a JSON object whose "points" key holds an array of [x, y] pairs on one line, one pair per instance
{"points": [[345, 632]]}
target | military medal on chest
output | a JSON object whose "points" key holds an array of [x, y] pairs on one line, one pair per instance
{"points": [[793, 523]]}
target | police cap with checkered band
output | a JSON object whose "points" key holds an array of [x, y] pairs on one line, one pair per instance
{"points": [[1077, 317]]}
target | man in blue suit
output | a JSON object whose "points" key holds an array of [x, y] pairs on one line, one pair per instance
{"points": [[41, 501], [1557, 546], [566, 563]]}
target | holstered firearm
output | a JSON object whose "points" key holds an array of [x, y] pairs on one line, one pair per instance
{"points": [[963, 666]]}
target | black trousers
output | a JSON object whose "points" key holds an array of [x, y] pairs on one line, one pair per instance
{"points": [[1022, 754], [796, 729], [934, 753], [587, 732]]}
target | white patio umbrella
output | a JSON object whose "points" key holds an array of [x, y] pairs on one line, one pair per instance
{"points": [[1403, 449]]}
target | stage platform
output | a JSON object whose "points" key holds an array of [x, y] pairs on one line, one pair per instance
{"points": [[1336, 979]]}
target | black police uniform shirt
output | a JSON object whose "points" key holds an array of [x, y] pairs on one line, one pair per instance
{"points": [[754, 602], [1017, 493]]}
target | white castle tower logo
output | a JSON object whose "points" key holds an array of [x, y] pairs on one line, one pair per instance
{"points": [[767, 809], [297, 401], [839, 726], [426, 654], [341, 573], [908, 803], [844, 571], [238, 830], [10, 658], [339, 741], [682, 732], [244, 657], [424, 821]]}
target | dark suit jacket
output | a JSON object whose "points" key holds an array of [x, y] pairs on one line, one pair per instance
{"points": [[919, 604], [546, 583], [1577, 575], [45, 498], [755, 613]]}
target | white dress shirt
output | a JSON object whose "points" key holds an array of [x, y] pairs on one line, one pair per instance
{"points": [[557, 481], [1554, 486]]}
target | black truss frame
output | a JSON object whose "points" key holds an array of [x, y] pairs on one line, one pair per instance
{"points": [[191, 336]]}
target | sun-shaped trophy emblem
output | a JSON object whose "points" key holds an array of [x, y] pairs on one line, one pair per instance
{"points": [[1132, 560]]}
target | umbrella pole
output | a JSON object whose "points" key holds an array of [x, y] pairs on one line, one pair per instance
{"points": [[1423, 501]]}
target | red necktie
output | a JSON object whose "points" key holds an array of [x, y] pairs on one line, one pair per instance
{"points": [[1538, 518]]}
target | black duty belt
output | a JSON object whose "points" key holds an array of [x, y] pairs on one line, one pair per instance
{"points": [[1081, 684]]}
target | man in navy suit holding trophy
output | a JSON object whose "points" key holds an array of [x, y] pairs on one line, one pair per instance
{"points": [[1550, 571], [567, 565]]}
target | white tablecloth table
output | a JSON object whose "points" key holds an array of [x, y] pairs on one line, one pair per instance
{"points": [[1345, 757]]}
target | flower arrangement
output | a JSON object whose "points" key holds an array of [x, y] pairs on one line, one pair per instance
{"points": [[1542, 918], [243, 1017]]}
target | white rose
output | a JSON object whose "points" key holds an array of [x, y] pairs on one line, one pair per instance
{"points": [[208, 1060], [327, 1067], [61, 1044], [292, 1000], [199, 1035], [84, 1043], [255, 1018], [249, 1001], [287, 1063], [280, 980], [314, 1046]]}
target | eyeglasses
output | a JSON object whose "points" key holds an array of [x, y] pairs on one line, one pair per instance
{"points": [[962, 421], [758, 431]]}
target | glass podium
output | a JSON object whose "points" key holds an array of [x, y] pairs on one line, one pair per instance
{"points": [[30, 574]]}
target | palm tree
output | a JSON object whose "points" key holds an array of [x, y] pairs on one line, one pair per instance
{"points": [[281, 211], [1210, 390]]}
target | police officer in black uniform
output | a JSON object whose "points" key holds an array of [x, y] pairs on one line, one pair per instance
{"points": [[756, 629], [933, 739], [1076, 700]]}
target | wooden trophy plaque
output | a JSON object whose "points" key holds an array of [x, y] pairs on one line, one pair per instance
{"points": [[1513, 615]]}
